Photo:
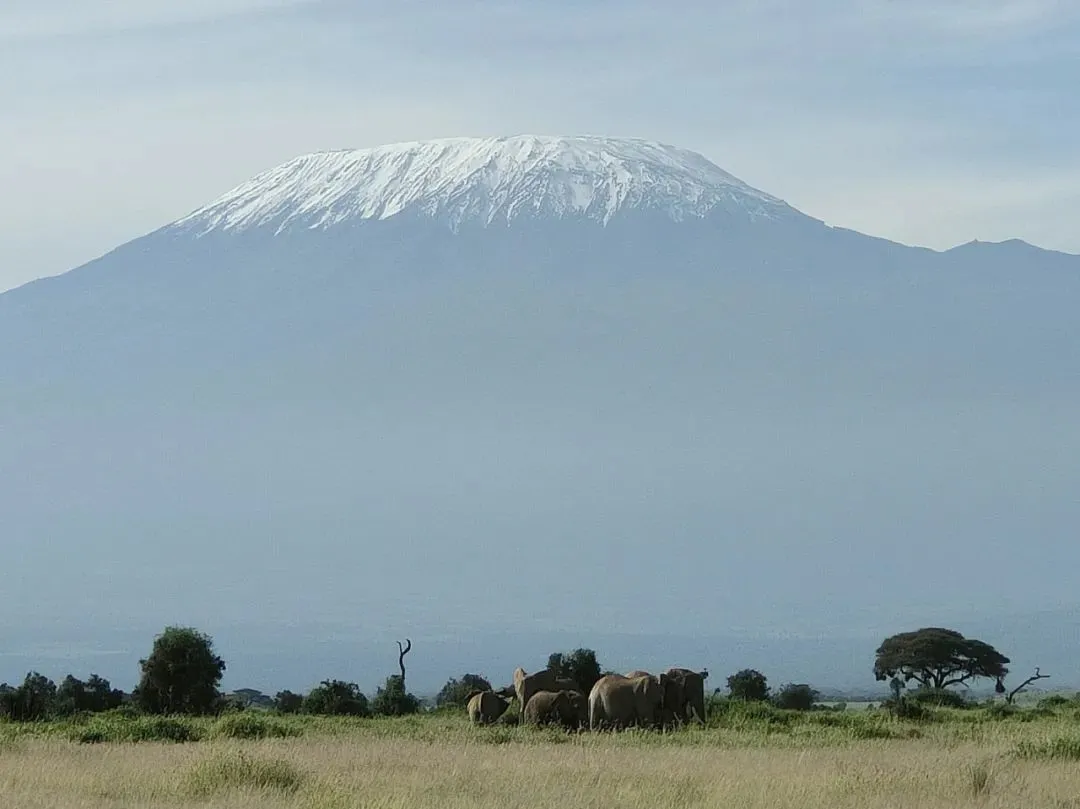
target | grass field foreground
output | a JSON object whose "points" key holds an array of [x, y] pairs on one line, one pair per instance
{"points": [[748, 758]]}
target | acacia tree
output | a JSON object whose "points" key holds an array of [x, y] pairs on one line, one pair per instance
{"points": [[937, 658]]}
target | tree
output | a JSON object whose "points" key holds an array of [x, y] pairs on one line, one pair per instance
{"points": [[749, 685], [96, 694], [336, 698], [181, 675], [393, 700], [33, 700], [579, 665], [1012, 694], [796, 697], [456, 692], [937, 658], [288, 702], [71, 696], [402, 651], [101, 696]]}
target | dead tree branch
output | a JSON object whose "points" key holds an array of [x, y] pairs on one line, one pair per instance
{"points": [[1036, 676], [402, 651]]}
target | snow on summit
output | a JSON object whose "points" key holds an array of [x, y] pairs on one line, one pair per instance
{"points": [[483, 179]]}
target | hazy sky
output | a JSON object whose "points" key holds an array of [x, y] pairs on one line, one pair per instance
{"points": [[928, 122]]}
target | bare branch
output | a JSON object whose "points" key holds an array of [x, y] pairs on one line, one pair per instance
{"points": [[1036, 676], [402, 651]]}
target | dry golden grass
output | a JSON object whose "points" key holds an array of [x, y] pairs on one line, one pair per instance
{"points": [[363, 770]]}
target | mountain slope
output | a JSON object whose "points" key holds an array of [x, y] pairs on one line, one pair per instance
{"points": [[497, 411]]}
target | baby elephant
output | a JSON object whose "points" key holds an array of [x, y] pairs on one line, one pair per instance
{"points": [[568, 709], [485, 707]]}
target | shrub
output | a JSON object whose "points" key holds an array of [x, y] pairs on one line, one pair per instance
{"points": [[455, 691], [250, 725], [142, 729], [288, 702], [939, 697], [1001, 710], [796, 697], [393, 700], [906, 708], [749, 685], [336, 698], [1054, 701], [164, 729], [717, 705], [129, 710]]}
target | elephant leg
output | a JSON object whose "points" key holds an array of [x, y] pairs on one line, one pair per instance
{"points": [[699, 708]]}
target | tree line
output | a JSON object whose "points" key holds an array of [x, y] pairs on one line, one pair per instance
{"points": [[182, 675]]}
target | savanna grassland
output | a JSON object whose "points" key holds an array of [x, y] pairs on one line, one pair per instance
{"points": [[749, 756]]}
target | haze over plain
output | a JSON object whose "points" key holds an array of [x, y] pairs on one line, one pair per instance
{"points": [[370, 440]]}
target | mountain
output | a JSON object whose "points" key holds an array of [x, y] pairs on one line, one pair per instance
{"points": [[487, 180], [541, 387]]}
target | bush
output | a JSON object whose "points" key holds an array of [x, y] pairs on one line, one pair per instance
{"points": [[1054, 701], [796, 697], [251, 726], [749, 685], [143, 729], [393, 700], [1001, 710], [288, 702], [336, 698], [126, 711], [939, 697], [906, 708], [456, 691]]}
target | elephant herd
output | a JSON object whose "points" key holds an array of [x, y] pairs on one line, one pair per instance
{"points": [[636, 699]]}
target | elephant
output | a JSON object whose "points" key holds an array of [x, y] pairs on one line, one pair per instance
{"points": [[525, 685], [622, 701], [556, 707], [485, 707], [673, 697], [686, 697]]}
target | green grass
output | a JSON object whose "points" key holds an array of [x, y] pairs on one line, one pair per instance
{"points": [[741, 724]]}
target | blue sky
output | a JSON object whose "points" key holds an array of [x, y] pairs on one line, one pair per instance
{"points": [[931, 123]]}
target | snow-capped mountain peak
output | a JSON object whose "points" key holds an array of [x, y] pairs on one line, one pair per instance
{"points": [[487, 180]]}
